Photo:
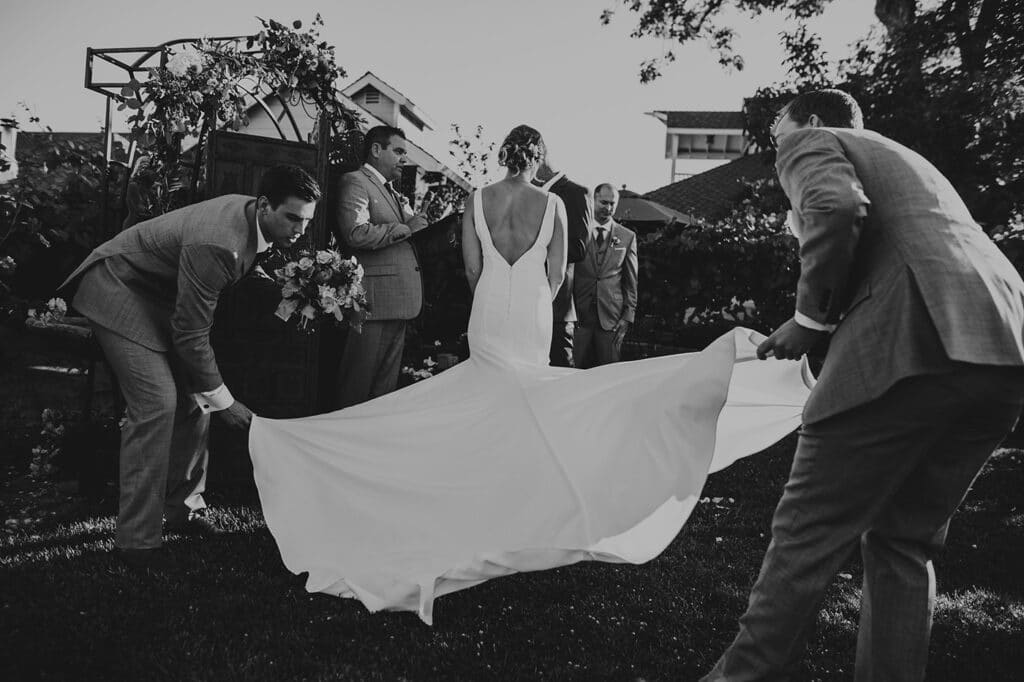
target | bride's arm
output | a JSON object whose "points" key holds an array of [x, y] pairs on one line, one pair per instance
{"points": [[472, 255], [557, 249]]}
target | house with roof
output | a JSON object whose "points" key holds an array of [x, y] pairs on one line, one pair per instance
{"points": [[379, 103], [710, 137], [717, 141], [714, 193]]}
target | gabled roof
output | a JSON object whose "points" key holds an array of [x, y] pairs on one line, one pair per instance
{"points": [[702, 120], [370, 79], [712, 194], [372, 120]]}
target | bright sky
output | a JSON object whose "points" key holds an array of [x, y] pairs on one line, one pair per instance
{"points": [[549, 63]]}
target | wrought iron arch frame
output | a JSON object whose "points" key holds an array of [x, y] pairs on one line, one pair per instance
{"points": [[136, 60]]}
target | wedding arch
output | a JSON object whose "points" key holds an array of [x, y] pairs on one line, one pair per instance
{"points": [[182, 92], [186, 101]]}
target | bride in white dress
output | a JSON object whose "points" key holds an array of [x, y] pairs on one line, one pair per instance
{"points": [[502, 463]]}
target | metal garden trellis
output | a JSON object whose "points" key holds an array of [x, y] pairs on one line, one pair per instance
{"points": [[131, 61]]}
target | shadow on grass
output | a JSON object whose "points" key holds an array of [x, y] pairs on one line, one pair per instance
{"points": [[233, 612]]}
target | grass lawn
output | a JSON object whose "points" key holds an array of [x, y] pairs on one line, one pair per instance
{"points": [[69, 610]]}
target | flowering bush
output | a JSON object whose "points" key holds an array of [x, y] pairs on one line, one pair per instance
{"points": [[7, 267], [712, 274], [52, 213], [207, 84], [43, 455], [1010, 238], [322, 284], [55, 311], [424, 372]]}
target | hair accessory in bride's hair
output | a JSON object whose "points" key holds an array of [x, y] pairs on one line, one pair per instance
{"points": [[523, 148]]}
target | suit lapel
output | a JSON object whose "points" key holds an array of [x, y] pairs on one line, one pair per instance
{"points": [[249, 257], [383, 191]]}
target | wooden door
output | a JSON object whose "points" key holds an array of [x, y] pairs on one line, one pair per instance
{"points": [[268, 365]]}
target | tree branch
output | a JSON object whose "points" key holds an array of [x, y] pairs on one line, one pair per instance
{"points": [[895, 15], [985, 25]]}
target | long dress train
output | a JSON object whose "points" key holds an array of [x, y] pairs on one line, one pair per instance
{"points": [[504, 464]]}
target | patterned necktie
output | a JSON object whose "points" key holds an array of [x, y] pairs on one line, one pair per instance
{"points": [[394, 193]]}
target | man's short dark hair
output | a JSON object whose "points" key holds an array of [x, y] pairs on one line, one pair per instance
{"points": [[835, 108], [605, 185], [379, 135], [280, 182]]}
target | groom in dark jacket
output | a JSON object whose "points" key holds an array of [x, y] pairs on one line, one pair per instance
{"points": [[579, 212]]}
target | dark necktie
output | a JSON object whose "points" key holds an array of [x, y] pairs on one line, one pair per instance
{"points": [[600, 237], [394, 194]]}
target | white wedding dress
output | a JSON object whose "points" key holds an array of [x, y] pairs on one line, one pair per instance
{"points": [[503, 463]]}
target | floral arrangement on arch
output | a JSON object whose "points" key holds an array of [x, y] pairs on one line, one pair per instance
{"points": [[322, 285], [207, 84]]}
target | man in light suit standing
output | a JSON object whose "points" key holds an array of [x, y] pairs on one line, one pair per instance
{"points": [[150, 294], [604, 289], [579, 213], [375, 222], [922, 380]]}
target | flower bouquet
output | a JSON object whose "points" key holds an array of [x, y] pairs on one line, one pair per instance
{"points": [[321, 284]]}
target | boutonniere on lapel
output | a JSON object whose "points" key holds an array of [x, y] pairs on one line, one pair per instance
{"points": [[615, 241]]}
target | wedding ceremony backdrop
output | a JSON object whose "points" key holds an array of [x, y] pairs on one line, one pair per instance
{"points": [[196, 95], [206, 116], [187, 99]]}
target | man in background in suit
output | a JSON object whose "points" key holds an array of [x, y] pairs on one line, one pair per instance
{"points": [[375, 223], [604, 290], [922, 380], [579, 212], [150, 294]]}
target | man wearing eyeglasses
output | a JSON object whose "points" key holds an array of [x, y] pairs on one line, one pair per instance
{"points": [[922, 380]]}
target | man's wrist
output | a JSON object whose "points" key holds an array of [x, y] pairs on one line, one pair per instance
{"points": [[809, 323], [216, 400]]}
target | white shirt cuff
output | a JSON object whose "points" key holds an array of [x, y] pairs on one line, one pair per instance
{"points": [[216, 400], [807, 322]]}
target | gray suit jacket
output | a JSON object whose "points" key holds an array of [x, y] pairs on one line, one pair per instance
{"points": [[890, 252], [608, 278], [372, 224], [157, 283]]}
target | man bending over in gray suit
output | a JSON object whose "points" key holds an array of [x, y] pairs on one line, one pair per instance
{"points": [[375, 222], [922, 380], [150, 294]]}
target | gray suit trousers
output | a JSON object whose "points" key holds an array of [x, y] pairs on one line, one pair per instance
{"points": [[163, 444], [889, 475], [594, 346], [371, 362]]}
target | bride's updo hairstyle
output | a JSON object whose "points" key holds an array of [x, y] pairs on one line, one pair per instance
{"points": [[522, 149]]}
